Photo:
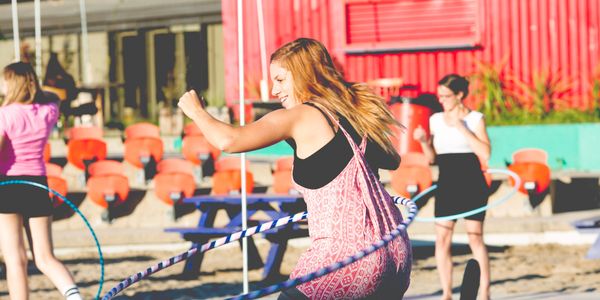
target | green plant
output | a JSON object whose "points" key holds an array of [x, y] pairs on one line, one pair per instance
{"points": [[497, 102], [506, 100]]}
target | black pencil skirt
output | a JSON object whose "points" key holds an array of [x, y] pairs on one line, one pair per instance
{"points": [[26, 200], [461, 185]]}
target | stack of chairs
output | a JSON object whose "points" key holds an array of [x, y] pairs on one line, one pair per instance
{"points": [[531, 165], [56, 182], [197, 150], [412, 176], [174, 182], [227, 176], [143, 148], [108, 186], [85, 146], [282, 176]]}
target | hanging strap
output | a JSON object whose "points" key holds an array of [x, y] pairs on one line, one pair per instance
{"points": [[373, 184]]}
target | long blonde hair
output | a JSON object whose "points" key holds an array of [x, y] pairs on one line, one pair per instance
{"points": [[317, 80], [21, 84]]}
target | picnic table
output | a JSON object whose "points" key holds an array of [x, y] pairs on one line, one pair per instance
{"points": [[273, 205]]}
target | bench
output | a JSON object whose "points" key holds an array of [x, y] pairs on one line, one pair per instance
{"points": [[274, 206]]}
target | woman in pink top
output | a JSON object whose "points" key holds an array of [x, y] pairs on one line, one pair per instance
{"points": [[26, 119], [340, 133]]}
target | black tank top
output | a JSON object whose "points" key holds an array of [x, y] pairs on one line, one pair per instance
{"points": [[323, 166]]}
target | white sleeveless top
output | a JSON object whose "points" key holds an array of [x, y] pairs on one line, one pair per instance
{"points": [[448, 139]]}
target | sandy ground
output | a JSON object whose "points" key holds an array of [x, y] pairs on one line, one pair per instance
{"points": [[515, 270]]}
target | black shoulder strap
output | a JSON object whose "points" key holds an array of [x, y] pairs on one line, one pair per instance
{"points": [[322, 112]]}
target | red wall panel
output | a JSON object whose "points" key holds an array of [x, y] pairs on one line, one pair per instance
{"points": [[557, 36]]}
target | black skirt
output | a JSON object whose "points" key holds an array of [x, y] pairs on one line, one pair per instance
{"points": [[461, 185], [26, 200]]}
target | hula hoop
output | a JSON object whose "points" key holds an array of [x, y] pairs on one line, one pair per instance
{"points": [[412, 211], [477, 210], [25, 182]]}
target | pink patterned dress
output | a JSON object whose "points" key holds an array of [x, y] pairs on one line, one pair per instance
{"points": [[345, 216]]}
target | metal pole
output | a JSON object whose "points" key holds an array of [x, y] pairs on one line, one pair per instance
{"points": [[264, 83], [15, 24], [38, 40], [87, 72], [240, 32]]}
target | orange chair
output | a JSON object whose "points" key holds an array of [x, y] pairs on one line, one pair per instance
{"points": [[192, 129], [227, 177], [85, 146], [107, 186], [47, 153], [413, 175], [174, 182], [56, 182], [248, 112], [143, 147], [386, 87], [197, 149], [531, 165], [282, 176], [78, 133]]}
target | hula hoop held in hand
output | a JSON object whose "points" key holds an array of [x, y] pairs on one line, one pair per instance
{"points": [[74, 208]]}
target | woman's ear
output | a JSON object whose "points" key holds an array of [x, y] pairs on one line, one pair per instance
{"points": [[460, 95]]}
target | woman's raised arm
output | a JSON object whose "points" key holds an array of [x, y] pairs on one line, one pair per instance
{"points": [[270, 129]]}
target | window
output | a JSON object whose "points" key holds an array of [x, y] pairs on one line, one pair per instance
{"points": [[387, 26]]}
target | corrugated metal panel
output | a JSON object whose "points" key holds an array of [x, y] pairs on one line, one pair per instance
{"points": [[556, 36], [284, 21], [412, 24]]}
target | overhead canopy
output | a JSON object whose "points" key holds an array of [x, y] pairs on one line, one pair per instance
{"points": [[62, 16]]}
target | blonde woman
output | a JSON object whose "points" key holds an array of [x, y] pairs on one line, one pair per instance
{"points": [[26, 119], [340, 133]]}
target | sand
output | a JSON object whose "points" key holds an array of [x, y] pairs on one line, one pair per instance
{"points": [[515, 270]]}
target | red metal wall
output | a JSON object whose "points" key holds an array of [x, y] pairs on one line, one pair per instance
{"points": [[559, 36]]}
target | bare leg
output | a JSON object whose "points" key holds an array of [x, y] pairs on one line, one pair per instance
{"points": [[480, 253], [443, 255], [43, 254], [15, 255]]}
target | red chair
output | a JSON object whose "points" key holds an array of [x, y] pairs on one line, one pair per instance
{"points": [[531, 165], [197, 149], [47, 153], [78, 133], [56, 182], [227, 177], [174, 182], [143, 147], [141, 130], [85, 146], [248, 112], [107, 186], [282, 176], [413, 175], [191, 129]]}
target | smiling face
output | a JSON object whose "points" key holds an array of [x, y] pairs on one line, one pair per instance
{"points": [[283, 85], [448, 98]]}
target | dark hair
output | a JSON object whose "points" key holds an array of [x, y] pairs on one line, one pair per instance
{"points": [[456, 84]]}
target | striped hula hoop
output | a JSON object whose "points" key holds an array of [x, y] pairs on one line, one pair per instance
{"points": [[412, 211]]}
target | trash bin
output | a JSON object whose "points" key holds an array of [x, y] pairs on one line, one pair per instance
{"points": [[411, 115]]}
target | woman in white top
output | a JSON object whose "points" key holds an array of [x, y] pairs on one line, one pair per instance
{"points": [[458, 140]]}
